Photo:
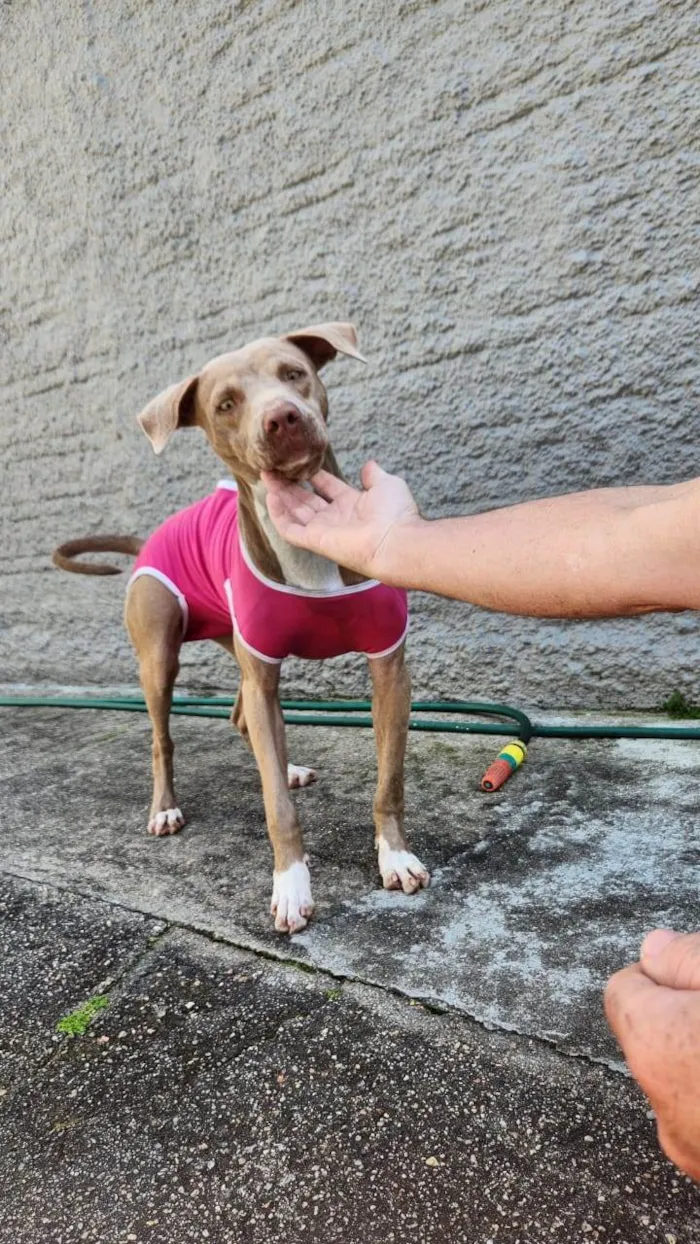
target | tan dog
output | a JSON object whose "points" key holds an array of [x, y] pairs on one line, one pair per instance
{"points": [[264, 407]]}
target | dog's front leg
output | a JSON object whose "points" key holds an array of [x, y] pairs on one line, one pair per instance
{"points": [[292, 904], [391, 707]]}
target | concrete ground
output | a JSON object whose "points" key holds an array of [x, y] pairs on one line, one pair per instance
{"points": [[434, 1068]]}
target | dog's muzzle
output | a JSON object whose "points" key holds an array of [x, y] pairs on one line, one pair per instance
{"points": [[293, 442]]}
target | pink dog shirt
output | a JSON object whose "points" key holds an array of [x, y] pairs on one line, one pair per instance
{"points": [[198, 554]]}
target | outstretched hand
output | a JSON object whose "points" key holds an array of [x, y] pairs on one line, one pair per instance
{"points": [[351, 527], [653, 1008]]}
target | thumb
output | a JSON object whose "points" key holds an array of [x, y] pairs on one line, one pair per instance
{"points": [[672, 959], [371, 474]]}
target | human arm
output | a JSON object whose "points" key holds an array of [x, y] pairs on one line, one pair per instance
{"points": [[653, 1007], [606, 552]]}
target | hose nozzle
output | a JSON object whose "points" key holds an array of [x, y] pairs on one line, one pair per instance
{"points": [[504, 766]]}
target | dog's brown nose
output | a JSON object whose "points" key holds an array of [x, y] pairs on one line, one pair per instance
{"points": [[280, 421]]}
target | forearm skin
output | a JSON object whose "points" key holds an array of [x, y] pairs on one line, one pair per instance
{"points": [[611, 552]]}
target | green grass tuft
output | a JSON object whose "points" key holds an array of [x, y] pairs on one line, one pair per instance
{"points": [[677, 706], [79, 1020]]}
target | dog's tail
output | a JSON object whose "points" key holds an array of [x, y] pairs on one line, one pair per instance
{"points": [[65, 553]]}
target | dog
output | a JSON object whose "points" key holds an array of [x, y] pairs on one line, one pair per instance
{"points": [[219, 570]]}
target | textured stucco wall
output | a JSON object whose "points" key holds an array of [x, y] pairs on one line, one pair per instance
{"points": [[503, 197]]}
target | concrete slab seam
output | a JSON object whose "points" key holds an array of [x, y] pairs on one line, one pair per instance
{"points": [[258, 951]]}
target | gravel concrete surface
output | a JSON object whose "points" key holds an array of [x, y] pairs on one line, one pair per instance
{"points": [[396, 1073]]}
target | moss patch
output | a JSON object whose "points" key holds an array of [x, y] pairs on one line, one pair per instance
{"points": [[79, 1020]]}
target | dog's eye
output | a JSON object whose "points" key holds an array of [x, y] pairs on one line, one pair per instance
{"points": [[293, 373], [227, 404]]}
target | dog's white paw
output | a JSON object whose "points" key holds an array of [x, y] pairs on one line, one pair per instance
{"points": [[168, 822], [298, 775], [292, 904], [401, 870]]}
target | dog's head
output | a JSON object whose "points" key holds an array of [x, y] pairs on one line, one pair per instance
{"points": [[263, 407]]}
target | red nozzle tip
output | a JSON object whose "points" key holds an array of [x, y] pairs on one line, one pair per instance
{"points": [[496, 775]]}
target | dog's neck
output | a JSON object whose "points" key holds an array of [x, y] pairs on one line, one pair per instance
{"points": [[275, 557], [300, 568]]}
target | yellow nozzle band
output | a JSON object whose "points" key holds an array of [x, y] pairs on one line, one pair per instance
{"points": [[515, 753]]}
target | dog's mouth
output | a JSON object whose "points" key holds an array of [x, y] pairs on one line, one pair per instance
{"points": [[296, 462], [299, 469]]}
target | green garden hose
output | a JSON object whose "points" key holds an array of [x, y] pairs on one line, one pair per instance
{"points": [[354, 713], [298, 712]]}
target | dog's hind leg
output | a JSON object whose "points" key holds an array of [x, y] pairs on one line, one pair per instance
{"points": [[154, 622], [391, 707], [297, 775]]}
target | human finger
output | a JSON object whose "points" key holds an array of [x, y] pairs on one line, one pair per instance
{"points": [[627, 994], [371, 474], [292, 521], [330, 487], [292, 496], [296, 509], [290, 490], [657, 1028], [671, 959], [642, 1016], [656, 941]]}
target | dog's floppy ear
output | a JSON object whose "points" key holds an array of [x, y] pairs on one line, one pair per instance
{"points": [[321, 342], [171, 409]]}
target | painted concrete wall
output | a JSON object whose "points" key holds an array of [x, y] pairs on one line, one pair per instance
{"points": [[503, 196]]}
